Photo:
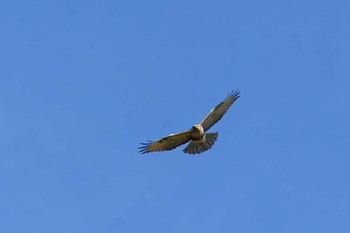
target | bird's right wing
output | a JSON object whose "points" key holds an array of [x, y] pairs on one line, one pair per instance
{"points": [[216, 113], [167, 143]]}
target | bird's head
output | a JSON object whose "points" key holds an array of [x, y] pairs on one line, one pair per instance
{"points": [[196, 128]]}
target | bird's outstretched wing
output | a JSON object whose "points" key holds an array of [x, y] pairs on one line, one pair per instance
{"points": [[167, 143], [216, 113]]}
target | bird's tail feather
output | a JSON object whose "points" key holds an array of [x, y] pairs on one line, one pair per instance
{"points": [[196, 147]]}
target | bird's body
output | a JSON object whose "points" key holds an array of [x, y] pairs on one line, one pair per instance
{"points": [[200, 140], [197, 132]]}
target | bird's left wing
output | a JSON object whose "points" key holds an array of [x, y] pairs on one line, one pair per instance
{"points": [[167, 143], [216, 113]]}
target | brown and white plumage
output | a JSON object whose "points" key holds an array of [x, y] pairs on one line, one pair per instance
{"points": [[218, 112], [200, 141], [167, 143]]}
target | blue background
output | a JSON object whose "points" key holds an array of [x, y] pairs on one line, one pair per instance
{"points": [[82, 83]]}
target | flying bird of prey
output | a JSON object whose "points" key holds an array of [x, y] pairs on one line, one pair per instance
{"points": [[200, 141]]}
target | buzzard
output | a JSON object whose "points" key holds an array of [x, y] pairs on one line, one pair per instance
{"points": [[200, 141]]}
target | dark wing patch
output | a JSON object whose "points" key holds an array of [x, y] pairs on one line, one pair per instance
{"points": [[167, 143], [217, 113]]}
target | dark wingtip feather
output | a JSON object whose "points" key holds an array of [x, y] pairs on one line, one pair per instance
{"points": [[235, 94], [144, 148]]}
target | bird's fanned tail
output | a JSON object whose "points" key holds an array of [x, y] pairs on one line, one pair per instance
{"points": [[196, 147]]}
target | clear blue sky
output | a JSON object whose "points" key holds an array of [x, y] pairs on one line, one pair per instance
{"points": [[82, 83]]}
